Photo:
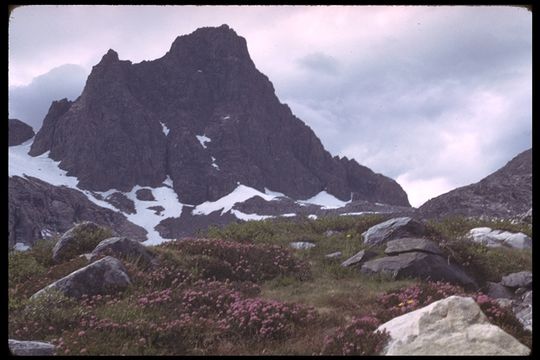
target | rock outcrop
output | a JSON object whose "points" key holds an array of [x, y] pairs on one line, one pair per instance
{"points": [[452, 326], [203, 115], [75, 241], [359, 258], [39, 210], [403, 245], [18, 132], [419, 265], [507, 193], [122, 247], [497, 238], [522, 279], [393, 229], [30, 348], [105, 276]]}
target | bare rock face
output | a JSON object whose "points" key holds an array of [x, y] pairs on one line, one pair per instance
{"points": [[38, 210], [403, 245], [145, 195], [123, 247], [507, 193], [30, 348], [120, 201], [105, 276], [452, 326], [74, 241], [498, 238], [19, 132], [419, 265], [204, 115], [393, 229]]}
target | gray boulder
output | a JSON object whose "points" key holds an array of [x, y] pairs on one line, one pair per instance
{"points": [[359, 258], [334, 255], [498, 238], [522, 279], [123, 247], [393, 229], [30, 348], [452, 326], [301, 245], [398, 246], [498, 291], [105, 276], [420, 265], [73, 242]]}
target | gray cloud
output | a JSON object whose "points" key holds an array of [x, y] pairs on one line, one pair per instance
{"points": [[319, 63], [30, 103]]}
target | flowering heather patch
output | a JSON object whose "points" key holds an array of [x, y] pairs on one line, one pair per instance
{"points": [[359, 337], [503, 317], [404, 300], [244, 262], [265, 319]]}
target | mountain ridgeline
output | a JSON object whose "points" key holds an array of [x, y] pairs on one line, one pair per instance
{"points": [[203, 115]]}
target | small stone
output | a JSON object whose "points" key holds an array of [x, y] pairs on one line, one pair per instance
{"points": [[30, 348], [334, 255]]}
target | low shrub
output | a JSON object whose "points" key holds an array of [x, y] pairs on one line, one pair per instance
{"points": [[243, 262], [359, 337], [265, 319]]}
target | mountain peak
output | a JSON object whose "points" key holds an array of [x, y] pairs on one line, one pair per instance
{"points": [[109, 57]]}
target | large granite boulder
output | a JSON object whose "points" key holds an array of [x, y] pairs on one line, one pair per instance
{"points": [[30, 348], [122, 247], [452, 326], [18, 132], [403, 245], [497, 238], [393, 229], [419, 265], [522, 279], [105, 276], [81, 238]]}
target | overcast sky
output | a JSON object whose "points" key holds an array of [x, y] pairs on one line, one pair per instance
{"points": [[434, 97]]}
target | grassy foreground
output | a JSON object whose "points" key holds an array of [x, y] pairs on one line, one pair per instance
{"points": [[242, 290]]}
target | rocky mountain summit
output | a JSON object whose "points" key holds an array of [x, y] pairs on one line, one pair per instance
{"points": [[506, 193], [203, 115]]}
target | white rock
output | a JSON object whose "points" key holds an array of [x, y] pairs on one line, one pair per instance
{"points": [[452, 326], [301, 245], [497, 238]]}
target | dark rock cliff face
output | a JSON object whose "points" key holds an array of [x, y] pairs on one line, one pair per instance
{"points": [[18, 132], [134, 124], [38, 209], [506, 193]]}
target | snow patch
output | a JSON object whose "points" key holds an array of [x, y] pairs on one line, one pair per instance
{"points": [[199, 70], [240, 194], [203, 140], [326, 200], [312, 217], [164, 128], [360, 213], [274, 193], [288, 215], [214, 163], [147, 218], [249, 217], [226, 117]]}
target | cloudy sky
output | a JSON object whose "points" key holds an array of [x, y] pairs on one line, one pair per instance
{"points": [[434, 97]]}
